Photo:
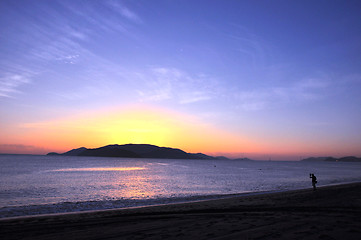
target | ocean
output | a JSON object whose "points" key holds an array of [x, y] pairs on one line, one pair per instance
{"points": [[31, 184]]}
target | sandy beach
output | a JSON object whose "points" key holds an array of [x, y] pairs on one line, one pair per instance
{"points": [[331, 212]]}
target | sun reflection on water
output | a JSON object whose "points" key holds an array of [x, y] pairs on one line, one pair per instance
{"points": [[136, 187], [118, 182], [98, 169]]}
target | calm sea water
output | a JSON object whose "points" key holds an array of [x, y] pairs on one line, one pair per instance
{"points": [[51, 184]]}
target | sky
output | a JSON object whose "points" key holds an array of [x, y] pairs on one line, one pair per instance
{"points": [[258, 79]]}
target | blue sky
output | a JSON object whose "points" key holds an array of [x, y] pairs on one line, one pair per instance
{"points": [[285, 75]]}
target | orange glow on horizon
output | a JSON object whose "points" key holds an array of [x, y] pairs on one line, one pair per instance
{"points": [[137, 125]]}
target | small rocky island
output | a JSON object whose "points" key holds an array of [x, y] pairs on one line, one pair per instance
{"points": [[137, 151]]}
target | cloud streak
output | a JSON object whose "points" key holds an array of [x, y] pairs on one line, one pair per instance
{"points": [[162, 84], [10, 83], [63, 37], [124, 11], [302, 91], [250, 47]]}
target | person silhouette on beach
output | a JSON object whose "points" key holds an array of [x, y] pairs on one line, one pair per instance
{"points": [[314, 181]]}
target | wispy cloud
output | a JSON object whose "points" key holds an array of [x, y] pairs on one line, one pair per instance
{"points": [[71, 59], [63, 48], [61, 38], [251, 48], [10, 83], [66, 30], [119, 17], [195, 96], [161, 84], [124, 11], [302, 91]]}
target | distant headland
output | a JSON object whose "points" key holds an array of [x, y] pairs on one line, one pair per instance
{"points": [[332, 159], [139, 151]]}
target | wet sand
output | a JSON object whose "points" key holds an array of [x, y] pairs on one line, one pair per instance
{"points": [[328, 213]]}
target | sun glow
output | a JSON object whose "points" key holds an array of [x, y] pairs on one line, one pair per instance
{"points": [[134, 124], [138, 126]]}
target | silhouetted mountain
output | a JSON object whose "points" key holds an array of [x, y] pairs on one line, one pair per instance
{"points": [[314, 159], [243, 159], [53, 154], [221, 158], [202, 156], [135, 151], [108, 151], [75, 152], [332, 159], [344, 159]]}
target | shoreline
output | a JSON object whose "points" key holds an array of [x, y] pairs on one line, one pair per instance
{"points": [[206, 198], [46, 209], [202, 198], [331, 212]]}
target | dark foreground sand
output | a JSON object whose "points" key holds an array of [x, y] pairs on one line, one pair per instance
{"points": [[329, 213]]}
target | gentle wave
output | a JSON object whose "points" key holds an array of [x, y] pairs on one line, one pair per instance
{"points": [[97, 169]]}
